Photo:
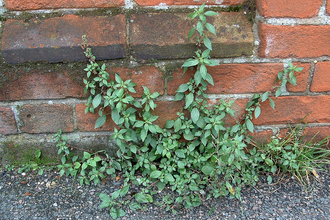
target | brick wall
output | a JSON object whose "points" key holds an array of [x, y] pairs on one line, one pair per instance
{"points": [[42, 63]]}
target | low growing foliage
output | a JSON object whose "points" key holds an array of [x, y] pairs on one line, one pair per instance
{"points": [[196, 155]]}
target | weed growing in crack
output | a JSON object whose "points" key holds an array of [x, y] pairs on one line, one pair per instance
{"points": [[195, 155]]}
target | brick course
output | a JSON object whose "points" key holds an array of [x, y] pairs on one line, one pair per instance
{"points": [[187, 2], [294, 8], [21, 5], [59, 39], [242, 78], [301, 41], [164, 36]]}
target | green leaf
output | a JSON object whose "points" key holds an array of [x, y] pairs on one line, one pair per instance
{"points": [[206, 53], [203, 71], [115, 194], [133, 149], [124, 190], [272, 103], [269, 162], [142, 198], [195, 115], [155, 174], [207, 170], [249, 125], [269, 179], [257, 112], [211, 28], [190, 62], [38, 153], [182, 88], [191, 32], [169, 124], [169, 177], [115, 115], [179, 96], [209, 79], [189, 100], [189, 136], [200, 28], [177, 125], [278, 92], [180, 153], [210, 13], [208, 43], [97, 100], [264, 96], [100, 121]]}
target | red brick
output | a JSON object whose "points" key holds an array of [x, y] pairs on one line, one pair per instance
{"points": [[7, 121], [86, 122], [41, 85], [188, 2], [164, 35], [243, 78], [321, 78], [238, 106], [147, 76], [302, 41], [20, 5], [46, 118], [59, 39], [293, 109], [317, 134], [167, 111], [294, 8], [262, 137]]}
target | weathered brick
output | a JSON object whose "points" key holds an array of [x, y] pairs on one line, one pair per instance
{"points": [[188, 2], [321, 78], [7, 121], [238, 106], [164, 35], [294, 8], [41, 85], [86, 122], [262, 137], [242, 78], [59, 39], [293, 109], [317, 134], [46, 118], [20, 5], [167, 111], [147, 76], [302, 41]]}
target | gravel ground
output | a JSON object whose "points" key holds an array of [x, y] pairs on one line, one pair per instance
{"points": [[31, 196]]}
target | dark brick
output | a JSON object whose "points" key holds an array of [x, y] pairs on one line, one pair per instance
{"points": [[46, 118], [164, 35], [59, 39], [7, 121]]}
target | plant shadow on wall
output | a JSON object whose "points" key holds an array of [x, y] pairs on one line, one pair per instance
{"points": [[196, 155]]}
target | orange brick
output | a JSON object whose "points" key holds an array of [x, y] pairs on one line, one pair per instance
{"points": [[293, 109], [188, 2], [147, 76], [243, 78], [321, 78], [294, 8], [302, 41], [86, 122], [20, 5]]}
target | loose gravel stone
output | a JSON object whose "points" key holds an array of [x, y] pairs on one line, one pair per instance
{"points": [[49, 196]]}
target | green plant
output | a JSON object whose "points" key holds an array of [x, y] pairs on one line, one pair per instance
{"points": [[196, 155], [33, 164]]}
